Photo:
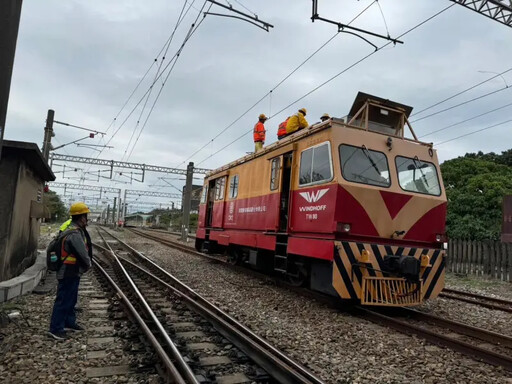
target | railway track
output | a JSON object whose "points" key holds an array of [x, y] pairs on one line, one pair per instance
{"points": [[481, 300], [196, 341], [478, 343], [486, 346]]}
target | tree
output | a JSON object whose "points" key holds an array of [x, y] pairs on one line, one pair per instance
{"points": [[55, 206], [475, 185]]}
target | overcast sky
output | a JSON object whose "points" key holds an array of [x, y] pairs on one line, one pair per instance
{"points": [[84, 58]]}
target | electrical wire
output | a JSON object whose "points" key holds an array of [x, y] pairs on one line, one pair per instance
{"points": [[169, 41], [143, 96], [133, 92], [461, 92], [472, 133], [460, 104], [269, 93], [466, 120], [383, 18], [334, 77], [193, 29]]}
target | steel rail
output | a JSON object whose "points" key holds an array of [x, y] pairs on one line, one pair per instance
{"points": [[463, 347], [168, 364], [468, 330], [183, 367], [173, 244], [275, 362], [403, 327], [493, 303]]}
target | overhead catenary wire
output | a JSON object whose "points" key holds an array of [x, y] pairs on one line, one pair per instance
{"points": [[193, 29], [473, 132], [334, 77], [189, 35], [181, 16], [143, 96], [466, 120], [461, 104], [461, 92], [269, 93]]}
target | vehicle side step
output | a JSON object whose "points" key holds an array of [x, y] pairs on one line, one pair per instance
{"points": [[281, 263]]}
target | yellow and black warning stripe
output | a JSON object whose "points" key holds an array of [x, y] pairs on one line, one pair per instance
{"points": [[350, 266]]}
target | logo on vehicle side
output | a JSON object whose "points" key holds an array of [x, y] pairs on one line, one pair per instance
{"points": [[314, 196]]}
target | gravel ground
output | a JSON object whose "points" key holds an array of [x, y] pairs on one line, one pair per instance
{"points": [[336, 346], [29, 355]]}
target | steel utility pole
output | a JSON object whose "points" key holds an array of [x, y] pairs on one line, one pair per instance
{"points": [[10, 12], [48, 133], [114, 212], [187, 202]]}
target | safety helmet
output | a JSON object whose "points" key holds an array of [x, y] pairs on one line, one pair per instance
{"points": [[79, 209], [303, 110], [262, 117], [325, 116]]}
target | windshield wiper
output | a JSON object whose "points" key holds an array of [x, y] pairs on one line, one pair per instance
{"points": [[416, 162], [369, 157]]}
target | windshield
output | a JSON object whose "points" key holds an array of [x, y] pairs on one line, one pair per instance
{"points": [[417, 176], [362, 165]]}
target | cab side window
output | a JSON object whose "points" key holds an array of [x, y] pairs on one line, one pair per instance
{"points": [[220, 185], [204, 193], [315, 165], [233, 187], [274, 173]]}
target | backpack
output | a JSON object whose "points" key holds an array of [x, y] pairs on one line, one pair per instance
{"points": [[54, 252]]}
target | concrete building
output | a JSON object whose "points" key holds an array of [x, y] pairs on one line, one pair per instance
{"points": [[23, 172]]}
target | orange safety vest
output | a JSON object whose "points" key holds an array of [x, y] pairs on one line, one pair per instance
{"points": [[259, 132], [68, 258], [281, 132]]}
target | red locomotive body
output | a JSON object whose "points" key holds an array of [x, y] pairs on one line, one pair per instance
{"points": [[350, 208]]}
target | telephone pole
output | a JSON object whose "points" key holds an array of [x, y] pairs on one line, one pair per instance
{"points": [[10, 12]]}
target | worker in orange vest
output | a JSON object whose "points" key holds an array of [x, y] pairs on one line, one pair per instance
{"points": [[259, 133], [281, 132]]}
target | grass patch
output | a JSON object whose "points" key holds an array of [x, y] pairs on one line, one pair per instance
{"points": [[470, 281]]}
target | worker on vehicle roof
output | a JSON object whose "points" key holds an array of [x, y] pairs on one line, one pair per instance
{"points": [[74, 248], [281, 131], [297, 121], [259, 133], [324, 117]]}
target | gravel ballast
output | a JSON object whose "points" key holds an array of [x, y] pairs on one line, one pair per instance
{"points": [[338, 347]]}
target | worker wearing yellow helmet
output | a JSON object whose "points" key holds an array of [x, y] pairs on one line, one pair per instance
{"points": [[325, 117], [297, 121], [73, 247], [259, 133]]}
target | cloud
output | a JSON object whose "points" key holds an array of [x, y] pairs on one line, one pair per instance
{"points": [[83, 59]]}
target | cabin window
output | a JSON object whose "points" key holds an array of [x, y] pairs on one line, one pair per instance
{"points": [[219, 188], [362, 165], [418, 176], [274, 173], [315, 165], [233, 187], [204, 193]]}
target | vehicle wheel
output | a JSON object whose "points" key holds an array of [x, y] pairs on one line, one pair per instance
{"points": [[234, 257], [301, 278]]}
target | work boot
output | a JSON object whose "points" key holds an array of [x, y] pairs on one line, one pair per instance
{"points": [[59, 336], [75, 328]]}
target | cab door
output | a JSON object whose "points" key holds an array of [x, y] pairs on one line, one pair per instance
{"points": [[217, 214]]}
